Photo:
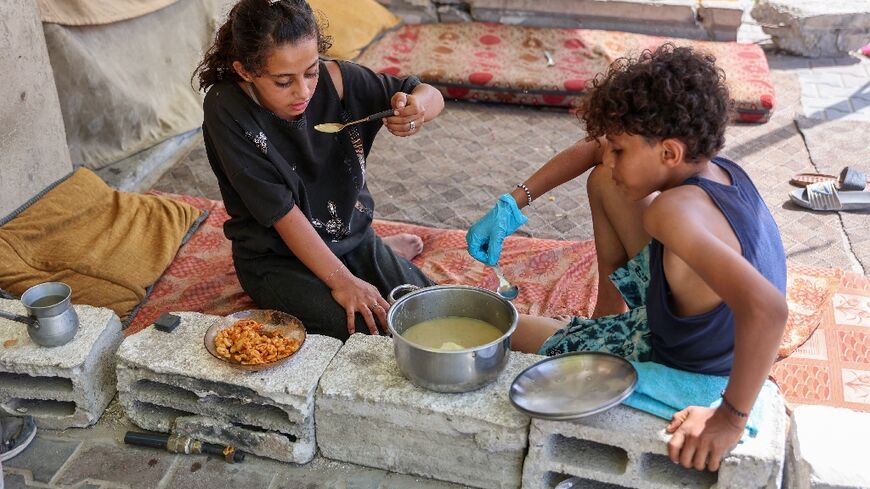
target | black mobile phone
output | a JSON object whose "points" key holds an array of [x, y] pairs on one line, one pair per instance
{"points": [[167, 322]]}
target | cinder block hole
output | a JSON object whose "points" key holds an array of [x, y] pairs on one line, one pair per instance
{"points": [[552, 479], [160, 411], [660, 469], [10, 382], [258, 429], [232, 409], [40, 407], [587, 454]]}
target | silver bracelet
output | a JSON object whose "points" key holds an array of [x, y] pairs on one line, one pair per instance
{"points": [[329, 277], [526, 190]]}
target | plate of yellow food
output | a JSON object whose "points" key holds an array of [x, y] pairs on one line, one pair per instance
{"points": [[256, 339]]}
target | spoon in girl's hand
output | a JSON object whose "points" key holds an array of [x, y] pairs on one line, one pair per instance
{"points": [[331, 127]]}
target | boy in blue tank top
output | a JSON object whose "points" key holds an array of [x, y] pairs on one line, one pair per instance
{"points": [[691, 265]]}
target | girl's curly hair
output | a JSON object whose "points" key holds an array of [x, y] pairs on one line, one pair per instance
{"points": [[672, 92], [252, 28]]}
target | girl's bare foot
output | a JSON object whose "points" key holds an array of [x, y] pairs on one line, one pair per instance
{"points": [[405, 245]]}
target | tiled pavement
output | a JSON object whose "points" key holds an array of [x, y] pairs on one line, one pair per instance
{"points": [[449, 175]]}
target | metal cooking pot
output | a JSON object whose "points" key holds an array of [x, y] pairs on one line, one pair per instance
{"points": [[454, 370]]}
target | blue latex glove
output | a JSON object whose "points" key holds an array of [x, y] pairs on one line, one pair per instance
{"points": [[486, 236]]}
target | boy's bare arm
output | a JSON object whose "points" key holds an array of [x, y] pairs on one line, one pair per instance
{"points": [[680, 219], [568, 164]]}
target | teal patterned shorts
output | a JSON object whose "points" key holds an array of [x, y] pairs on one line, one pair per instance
{"points": [[626, 335]]}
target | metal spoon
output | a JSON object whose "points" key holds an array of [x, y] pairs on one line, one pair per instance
{"points": [[331, 127], [505, 288]]}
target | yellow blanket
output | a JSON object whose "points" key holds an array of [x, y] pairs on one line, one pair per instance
{"points": [[109, 246]]}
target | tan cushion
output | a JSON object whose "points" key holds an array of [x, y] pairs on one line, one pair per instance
{"points": [[352, 29], [109, 246]]}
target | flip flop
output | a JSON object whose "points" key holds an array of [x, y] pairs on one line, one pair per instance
{"points": [[824, 196], [849, 179]]}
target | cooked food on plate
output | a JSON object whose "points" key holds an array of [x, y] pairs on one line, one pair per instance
{"points": [[246, 343]]}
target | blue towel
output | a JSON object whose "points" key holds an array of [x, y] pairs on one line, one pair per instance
{"points": [[663, 391]]}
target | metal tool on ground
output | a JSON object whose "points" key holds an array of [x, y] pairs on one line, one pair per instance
{"points": [[183, 444], [331, 127], [505, 288]]}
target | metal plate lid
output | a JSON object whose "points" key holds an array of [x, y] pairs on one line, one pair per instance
{"points": [[573, 385]]}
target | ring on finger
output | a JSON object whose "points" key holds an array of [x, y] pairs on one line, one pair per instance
{"points": [[412, 126], [374, 305]]}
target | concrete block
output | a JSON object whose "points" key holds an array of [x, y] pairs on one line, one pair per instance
{"points": [[721, 18], [369, 414], [815, 27], [169, 382], [628, 448], [412, 11], [828, 448], [65, 386], [662, 17]]}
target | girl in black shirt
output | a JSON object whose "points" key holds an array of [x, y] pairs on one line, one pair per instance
{"points": [[300, 210]]}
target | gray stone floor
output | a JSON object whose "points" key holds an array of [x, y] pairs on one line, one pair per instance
{"points": [[449, 175]]}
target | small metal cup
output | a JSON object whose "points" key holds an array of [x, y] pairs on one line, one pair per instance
{"points": [[56, 321]]}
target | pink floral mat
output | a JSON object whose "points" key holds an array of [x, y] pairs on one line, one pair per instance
{"points": [[832, 367], [555, 277], [826, 306]]}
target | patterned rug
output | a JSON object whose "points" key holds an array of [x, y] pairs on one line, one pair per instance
{"points": [[555, 277], [833, 367], [559, 278]]}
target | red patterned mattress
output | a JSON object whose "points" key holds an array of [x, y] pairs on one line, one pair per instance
{"points": [[508, 63], [556, 277], [560, 278]]}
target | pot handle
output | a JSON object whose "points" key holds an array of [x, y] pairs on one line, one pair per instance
{"points": [[399, 291], [21, 319]]}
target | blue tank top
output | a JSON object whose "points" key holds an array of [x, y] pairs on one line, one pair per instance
{"points": [[705, 343]]}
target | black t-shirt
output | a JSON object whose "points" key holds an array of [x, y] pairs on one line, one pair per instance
{"points": [[266, 165]]}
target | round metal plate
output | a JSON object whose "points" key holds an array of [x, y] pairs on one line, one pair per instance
{"points": [[573, 385], [271, 320]]}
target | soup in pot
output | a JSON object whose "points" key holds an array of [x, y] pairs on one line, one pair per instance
{"points": [[452, 333]]}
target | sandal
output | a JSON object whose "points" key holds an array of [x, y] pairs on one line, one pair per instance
{"points": [[16, 433], [849, 179], [825, 197]]}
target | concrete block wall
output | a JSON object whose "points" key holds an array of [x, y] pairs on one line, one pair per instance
{"points": [[369, 414], [33, 151], [67, 386], [828, 448], [710, 19], [168, 382], [625, 447]]}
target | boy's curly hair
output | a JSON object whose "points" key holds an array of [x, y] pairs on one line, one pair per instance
{"points": [[674, 92]]}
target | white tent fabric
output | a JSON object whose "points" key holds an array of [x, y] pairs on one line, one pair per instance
{"points": [[125, 86], [96, 12]]}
